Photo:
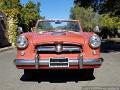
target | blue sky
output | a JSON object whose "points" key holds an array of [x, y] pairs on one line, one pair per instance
{"points": [[54, 9]]}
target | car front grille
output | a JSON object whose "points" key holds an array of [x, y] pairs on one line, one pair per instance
{"points": [[59, 48]]}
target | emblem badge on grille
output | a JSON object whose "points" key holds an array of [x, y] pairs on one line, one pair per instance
{"points": [[59, 48]]}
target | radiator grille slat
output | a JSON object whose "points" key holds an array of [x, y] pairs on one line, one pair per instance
{"points": [[66, 48]]}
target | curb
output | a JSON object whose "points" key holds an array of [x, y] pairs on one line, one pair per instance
{"points": [[7, 48]]}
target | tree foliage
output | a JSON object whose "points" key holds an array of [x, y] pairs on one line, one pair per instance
{"points": [[110, 6], [110, 22], [8, 4], [110, 10], [29, 14], [105, 13], [87, 16], [84, 3], [19, 15], [95, 4], [11, 9]]}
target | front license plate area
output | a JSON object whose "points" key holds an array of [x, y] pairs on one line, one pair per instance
{"points": [[58, 62]]}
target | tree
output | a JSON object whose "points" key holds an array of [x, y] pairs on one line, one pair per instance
{"points": [[11, 9], [19, 15], [29, 14], [110, 9], [95, 4], [110, 6], [105, 13], [9, 4], [87, 17], [84, 3]]}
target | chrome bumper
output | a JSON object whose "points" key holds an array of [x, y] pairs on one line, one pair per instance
{"points": [[46, 62]]}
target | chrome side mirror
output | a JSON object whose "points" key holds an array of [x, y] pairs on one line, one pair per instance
{"points": [[19, 30], [96, 29]]}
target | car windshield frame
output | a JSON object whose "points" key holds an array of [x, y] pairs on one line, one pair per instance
{"points": [[77, 29]]}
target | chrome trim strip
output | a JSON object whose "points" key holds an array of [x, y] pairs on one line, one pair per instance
{"points": [[71, 62], [45, 49], [71, 49], [53, 49]]}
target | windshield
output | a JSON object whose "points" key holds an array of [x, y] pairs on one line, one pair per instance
{"points": [[55, 25]]}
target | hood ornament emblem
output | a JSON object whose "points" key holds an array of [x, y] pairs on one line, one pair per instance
{"points": [[59, 48]]}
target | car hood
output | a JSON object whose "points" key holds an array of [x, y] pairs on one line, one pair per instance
{"points": [[53, 37]]}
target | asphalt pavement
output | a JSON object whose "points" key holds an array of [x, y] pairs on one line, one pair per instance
{"points": [[13, 79]]}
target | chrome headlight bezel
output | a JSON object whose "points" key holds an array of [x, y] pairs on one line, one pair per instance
{"points": [[95, 41], [22, 42]]}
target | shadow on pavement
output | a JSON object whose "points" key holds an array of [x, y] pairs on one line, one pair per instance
{"points": [[58, 76], [110, 46]]}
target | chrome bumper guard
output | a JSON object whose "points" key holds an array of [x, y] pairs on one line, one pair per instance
{"points": [[46, 62]]}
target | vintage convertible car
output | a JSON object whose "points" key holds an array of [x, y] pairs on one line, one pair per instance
{"points": [[58, 44]]}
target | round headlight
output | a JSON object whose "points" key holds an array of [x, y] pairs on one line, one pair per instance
{"points": [[22, 42], [95, 41]]}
